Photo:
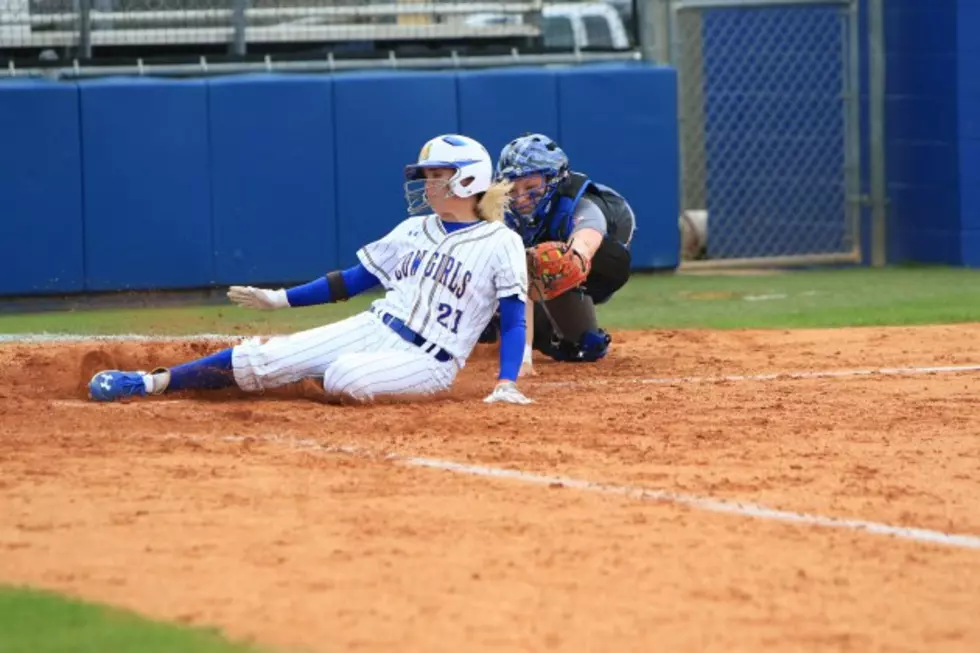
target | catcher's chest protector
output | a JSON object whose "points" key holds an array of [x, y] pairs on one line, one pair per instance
{"points": [[619, 218], [612, 261]]}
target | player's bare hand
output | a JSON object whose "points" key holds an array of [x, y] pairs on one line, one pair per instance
{"points": [[507, 392], [258, 298]]}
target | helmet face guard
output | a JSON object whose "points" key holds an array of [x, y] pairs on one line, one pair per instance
{"points": [[418, 189], [533, 154]]}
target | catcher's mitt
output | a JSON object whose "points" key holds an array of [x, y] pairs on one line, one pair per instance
{"points": [[554, 268]]}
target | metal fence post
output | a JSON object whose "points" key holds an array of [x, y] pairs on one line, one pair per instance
{"points": [[688, 59], [662, 25], [645, 30], [239, 23], [653, 29], [876, 115], [852, 91], [85, 29]]}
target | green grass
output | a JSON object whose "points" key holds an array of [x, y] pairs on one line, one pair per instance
{"points": [[808, 299], [826, 298], [33, 621], [227, 318]]}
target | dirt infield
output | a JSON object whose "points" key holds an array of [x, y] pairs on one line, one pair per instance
{"points": [[241, 512]]}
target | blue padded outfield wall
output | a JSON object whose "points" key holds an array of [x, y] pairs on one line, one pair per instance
{"points": [[147, 186], [932, 122], [272, 164], [41, 216], [135, 183]]}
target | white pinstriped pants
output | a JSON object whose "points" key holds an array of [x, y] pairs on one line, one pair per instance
{"points": [[360, 357]]}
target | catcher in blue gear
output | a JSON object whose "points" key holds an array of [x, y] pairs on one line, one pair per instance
{"points": [[554, 207]]}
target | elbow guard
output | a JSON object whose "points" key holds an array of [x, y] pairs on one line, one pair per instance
{"points": [[338, 288]]}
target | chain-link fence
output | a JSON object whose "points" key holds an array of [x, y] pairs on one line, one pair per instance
{"points": [[90, 30], [768, 105]]}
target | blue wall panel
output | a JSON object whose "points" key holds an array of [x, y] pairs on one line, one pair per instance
{"points": [[921, 133], [382, 121], [774, 131], [925, 223], [497, 106], [927, 164], [147, 184], [41, 229], [929, 118], [968, 60], [272, 158], [618, 124], [969, 159], [969, 168]]}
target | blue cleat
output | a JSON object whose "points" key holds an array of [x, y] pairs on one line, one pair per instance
{"points": [[113, 384]]}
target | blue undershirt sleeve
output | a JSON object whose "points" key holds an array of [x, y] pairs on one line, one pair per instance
{"points": [[357, 280], [513, 334]]}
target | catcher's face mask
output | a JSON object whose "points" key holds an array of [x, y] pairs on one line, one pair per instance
{"points": [[530, 195]]}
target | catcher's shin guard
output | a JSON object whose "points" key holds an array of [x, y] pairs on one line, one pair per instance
{"points": [[592, 346]]}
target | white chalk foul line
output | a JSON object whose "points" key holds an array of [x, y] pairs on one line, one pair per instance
{"points": [[706, 504], [774, 376]]}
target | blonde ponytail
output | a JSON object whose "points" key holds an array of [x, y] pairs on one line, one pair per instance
{"points": [[494, 202]]}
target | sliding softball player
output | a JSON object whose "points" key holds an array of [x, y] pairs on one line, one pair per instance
{"points": [[445, 270]]}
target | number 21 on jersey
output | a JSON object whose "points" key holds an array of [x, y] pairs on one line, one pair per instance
{"points": [[448, 317]]}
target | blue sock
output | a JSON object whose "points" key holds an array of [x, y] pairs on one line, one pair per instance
{"points": [[210, 373]]}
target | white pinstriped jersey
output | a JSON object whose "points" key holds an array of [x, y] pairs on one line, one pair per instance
{"points": [[445, 286]]}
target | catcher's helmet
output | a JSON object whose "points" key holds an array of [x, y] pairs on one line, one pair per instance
{"points": [[468, 157], [533, 154]]}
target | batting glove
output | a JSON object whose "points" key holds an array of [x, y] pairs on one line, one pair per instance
{"points": [[258, 298], [507, 392]]}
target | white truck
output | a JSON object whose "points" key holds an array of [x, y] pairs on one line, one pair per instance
{"points": [[570, 25]]}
